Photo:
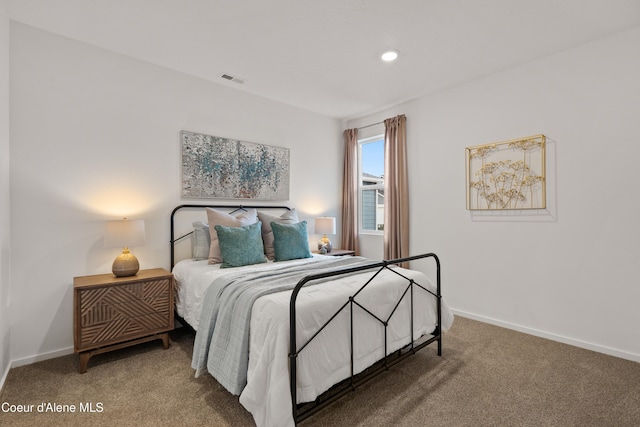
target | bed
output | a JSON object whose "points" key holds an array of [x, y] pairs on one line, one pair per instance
{"points": [[333, 322]]}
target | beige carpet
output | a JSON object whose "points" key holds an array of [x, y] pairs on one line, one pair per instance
{"points": [[487, 376]]}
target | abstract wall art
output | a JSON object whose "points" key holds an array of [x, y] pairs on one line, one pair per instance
{"points": [[217, 167], [507, 175]]}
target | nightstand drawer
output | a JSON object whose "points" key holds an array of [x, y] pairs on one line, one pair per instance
{"points": [[104, 304], [119, 329]]}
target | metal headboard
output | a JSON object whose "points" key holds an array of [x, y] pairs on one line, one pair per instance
{"points": [[231, 208]]}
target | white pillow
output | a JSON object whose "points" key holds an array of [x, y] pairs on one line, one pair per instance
{"points": [[201, 241], [216, 217], [289, 217]]}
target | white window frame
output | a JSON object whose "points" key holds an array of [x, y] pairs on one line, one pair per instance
{"points": [[361, 187]]}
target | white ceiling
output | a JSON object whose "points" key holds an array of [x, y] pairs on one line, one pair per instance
{"points": [[323, 55]]}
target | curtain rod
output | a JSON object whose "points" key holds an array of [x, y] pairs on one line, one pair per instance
{"points": [[368, 126]]}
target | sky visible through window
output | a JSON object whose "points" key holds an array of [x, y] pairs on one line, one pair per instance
{"points": [[373, 158]]}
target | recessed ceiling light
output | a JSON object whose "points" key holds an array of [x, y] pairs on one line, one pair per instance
{"points": [[389, 55]]}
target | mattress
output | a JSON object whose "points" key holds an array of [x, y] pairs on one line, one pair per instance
{"points": [[326, 360], [193, 278]]}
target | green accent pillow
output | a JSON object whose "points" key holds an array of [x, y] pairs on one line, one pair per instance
{"points": [[241, 245], [290, 241]]}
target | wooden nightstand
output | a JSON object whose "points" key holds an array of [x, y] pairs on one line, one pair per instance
{"points": [[116, 312], [338, 252]]}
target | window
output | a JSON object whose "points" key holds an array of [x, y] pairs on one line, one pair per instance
{"points": [[371, 184]]}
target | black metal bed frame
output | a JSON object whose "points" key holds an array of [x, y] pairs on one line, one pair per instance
{"points": [[306, 409]]}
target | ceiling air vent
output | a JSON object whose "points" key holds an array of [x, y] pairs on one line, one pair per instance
{"points": [[233, 79]]}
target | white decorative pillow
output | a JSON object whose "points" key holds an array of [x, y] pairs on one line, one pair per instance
{"points": [[289, 217], [216, 217], [201, 241]]}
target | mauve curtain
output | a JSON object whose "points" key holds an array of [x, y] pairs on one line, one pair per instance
{"points": [[396, 189], [350, 192]]}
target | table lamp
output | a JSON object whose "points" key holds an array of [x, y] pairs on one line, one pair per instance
{"points": [[325, 225], [122, 234]]}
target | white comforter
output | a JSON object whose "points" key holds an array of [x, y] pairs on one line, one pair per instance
{"points": [[325, 361]]}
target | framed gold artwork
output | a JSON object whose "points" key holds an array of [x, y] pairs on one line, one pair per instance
{"points": [[507, 175]]}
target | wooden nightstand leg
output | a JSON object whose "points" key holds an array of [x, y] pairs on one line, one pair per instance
{"points": [[84, 362], [165, 340]]}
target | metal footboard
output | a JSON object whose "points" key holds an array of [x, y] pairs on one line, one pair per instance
{"points": [[304, 410]]}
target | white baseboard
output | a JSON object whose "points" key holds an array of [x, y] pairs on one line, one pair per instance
{"points": [[550, 336], [41, 357], [4, 378]]}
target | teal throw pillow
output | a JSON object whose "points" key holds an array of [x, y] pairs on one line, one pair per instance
{"points": [[290, 241], [289, 217], [241, 245]]}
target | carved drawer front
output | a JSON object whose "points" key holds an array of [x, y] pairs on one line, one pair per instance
{"points": [[117, 313]]}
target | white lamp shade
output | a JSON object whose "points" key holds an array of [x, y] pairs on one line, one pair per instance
{"points": [[325, 225], [124, 233]]}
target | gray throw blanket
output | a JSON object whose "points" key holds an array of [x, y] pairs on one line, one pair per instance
{"points": [[222, 340]]}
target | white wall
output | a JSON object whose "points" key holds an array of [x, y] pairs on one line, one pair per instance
{"points": [[570, 274], [5, 250], [95, 136]]}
